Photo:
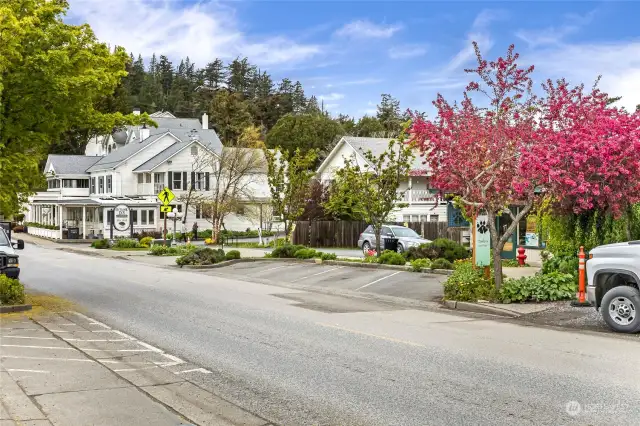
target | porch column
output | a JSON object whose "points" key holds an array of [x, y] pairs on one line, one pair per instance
{"points": [[60, 219], [410, 189], [84, 222]]}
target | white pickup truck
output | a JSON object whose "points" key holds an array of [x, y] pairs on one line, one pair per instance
{"points": [[613, 277], [9, 264]]}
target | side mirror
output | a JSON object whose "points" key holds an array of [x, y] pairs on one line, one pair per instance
{"points": [[389, 234], [19, 245]]}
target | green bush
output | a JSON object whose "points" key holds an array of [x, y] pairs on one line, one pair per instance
{"points": [[539, 288], [160, 250], [328, 256], [468, 284], [439, 248], [202, 256], [307, 253], [100, 244], [286, 251], [125, 243], [146, 241], [11, 291], [441, 264], [418, 265], [389, 257], [562, 264], [233, 254]]}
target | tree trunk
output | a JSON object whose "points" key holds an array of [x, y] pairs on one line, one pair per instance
{"points": [[287, 225], [215, 231], [378, 231], [497, 249]]}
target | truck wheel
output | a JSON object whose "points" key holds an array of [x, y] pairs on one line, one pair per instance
{"points": [[621, 309]]}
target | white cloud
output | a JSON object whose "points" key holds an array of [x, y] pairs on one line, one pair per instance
{"points": [[555, 35], [365, 29], [360, 82], [618, 63], [331, 106], [203, 31], [369, 111], [331, 97], [441, 83], [407, 51], [479, 33]]}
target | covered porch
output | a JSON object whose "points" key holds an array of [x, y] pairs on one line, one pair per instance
{"points": [[66, 219]]}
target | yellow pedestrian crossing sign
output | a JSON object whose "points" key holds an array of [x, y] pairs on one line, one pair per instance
{"points": [[166, 209], [166, 196]]}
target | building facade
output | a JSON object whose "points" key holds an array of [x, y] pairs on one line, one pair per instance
{"points": [[420, 200], [131, 167]]}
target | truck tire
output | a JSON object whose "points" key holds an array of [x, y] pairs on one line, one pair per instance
{"points": [[621, 309]]}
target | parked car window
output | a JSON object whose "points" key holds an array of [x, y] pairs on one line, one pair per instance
{"points": [[386, 230], [4, 241], [405, 232], [369, 230]]}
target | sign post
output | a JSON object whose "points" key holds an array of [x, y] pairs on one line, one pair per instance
{"points": [[482, 241], [165, 196]]}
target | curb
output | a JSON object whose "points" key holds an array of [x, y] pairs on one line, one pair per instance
{"points": [[5, 309], [327, 262], [479, 308]]}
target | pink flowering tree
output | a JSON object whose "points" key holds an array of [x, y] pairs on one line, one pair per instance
{"points": [[507, 147], [589, 150]]}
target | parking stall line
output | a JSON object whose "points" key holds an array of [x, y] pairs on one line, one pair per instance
{"points": [[378, 280], [319, 273], [271, 269]]}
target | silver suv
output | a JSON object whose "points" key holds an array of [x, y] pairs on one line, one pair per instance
{"points": [[407, 237], [613, 277]]}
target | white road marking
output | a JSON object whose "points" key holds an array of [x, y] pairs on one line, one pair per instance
{"points": [[152, 348], [37, 347], [273, 269], [45, 358], [319, 273], [117, 332], [175, 361], [21, 329], [95, 340], [199, 370], [91, 320], [28, 337], [27, 371], [113, 361], [115, 350], [378, 280], [135, 369]]}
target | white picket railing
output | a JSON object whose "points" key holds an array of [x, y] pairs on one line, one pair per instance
{"points": [[54, 234]]}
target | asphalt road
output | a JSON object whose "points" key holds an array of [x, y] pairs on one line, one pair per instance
{"points": [[296, 358]]}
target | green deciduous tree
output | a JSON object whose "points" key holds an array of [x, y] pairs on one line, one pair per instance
{"points": [[369, 127], [289, 176], [371, 191], [304, 131], [52, 74]]}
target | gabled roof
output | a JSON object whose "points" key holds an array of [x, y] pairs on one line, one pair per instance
{"points": [[376, 145], [70, 164], [121, 154]]}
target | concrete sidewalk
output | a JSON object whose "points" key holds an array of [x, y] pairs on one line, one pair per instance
{"points": [[68, 369]]}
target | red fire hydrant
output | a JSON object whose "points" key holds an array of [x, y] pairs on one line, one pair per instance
{"points": [[521, 256]]}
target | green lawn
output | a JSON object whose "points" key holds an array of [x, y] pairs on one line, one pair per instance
{"points": [[130, 249]]}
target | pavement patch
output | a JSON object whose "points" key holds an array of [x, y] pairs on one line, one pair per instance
{"points": [[105, 407], [334, 304], [203, 407], [16, 405]]}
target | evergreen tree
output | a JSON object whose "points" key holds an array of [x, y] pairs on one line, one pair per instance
{"points": [[214, 74], [230, 116], [312, 106], [298, 100], [389, 114]]}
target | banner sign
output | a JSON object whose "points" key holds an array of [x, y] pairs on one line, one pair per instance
{"points": [[482, 241]]}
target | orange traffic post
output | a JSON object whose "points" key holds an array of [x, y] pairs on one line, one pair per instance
{"points": [[582, 291]]}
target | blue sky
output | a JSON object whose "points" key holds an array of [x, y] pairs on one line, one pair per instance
{"points": [[348, 53]]}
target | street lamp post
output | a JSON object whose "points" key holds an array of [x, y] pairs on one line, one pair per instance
{"points": [[175, 216]]}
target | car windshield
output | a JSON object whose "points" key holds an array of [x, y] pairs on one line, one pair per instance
{"points": [[4, 241], [405, 232]]}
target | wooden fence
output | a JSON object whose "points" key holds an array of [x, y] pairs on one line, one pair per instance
{"points": [[345, 234]]}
